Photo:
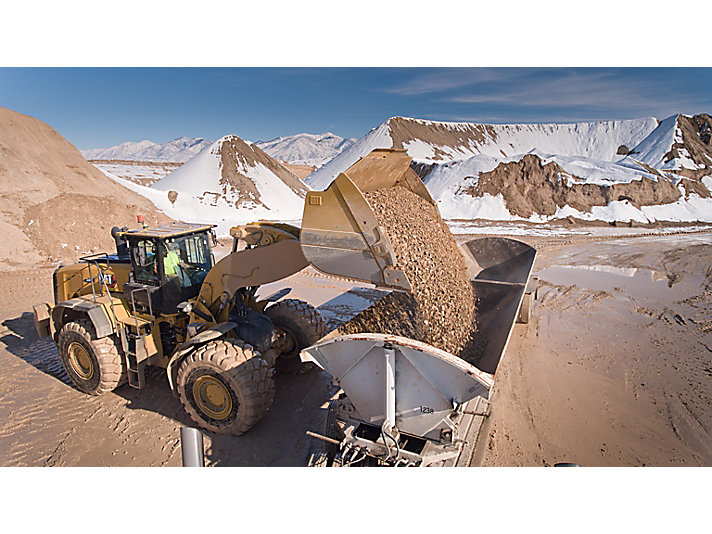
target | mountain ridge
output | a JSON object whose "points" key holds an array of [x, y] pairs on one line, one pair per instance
{"points": [[451, 157], [298, 149], [177, 151], [305, 148]]}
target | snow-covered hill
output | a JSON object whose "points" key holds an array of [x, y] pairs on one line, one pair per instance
{"points": [[306, 149], [178, 150], [230, 182], [662, 162]]}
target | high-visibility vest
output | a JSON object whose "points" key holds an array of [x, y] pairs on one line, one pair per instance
{"points": [[170, 263]]}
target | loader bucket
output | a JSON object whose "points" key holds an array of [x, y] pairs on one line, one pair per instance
{"points": [[340, 234]]}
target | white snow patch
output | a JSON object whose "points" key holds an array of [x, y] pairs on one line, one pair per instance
{"points": [[707, 182], [694, 208], [377, 138], [592, 171], [420, 150], [617, 210], [487, 207], [654, 147]]}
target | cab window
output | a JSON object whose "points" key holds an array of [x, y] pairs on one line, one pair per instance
{"points": [[143, 256], [188, 259]]}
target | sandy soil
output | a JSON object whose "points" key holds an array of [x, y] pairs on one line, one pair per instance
{"points": [[54, 204], [614, 369], [44, 421]]}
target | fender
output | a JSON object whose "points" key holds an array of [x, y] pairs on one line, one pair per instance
{"points": [[186, 348], [96, 313]]}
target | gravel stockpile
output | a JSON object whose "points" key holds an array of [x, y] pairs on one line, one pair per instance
{"points": [[440, 310]]}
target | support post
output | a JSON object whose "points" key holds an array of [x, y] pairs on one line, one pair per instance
{"points": [[191, 444], [390, 422]]}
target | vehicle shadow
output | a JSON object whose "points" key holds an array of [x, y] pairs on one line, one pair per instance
{"points": [[278, 439], [20, 339]]}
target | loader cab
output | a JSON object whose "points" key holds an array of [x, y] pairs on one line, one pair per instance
{"points": [[168, 265]]}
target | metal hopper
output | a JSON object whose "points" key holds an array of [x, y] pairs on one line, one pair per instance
{"points": [[407, 403], [499, 269]]}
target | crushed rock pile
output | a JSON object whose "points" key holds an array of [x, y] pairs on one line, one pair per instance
{"points": [[440, 309]]}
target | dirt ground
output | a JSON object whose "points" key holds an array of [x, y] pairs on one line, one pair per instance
{"points": [[44, 421], [614, 369]]}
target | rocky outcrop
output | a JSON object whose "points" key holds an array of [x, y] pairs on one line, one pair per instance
{"points": [[530, 187]]}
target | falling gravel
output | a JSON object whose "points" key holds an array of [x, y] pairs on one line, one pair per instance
{"points": [[440, 309]]}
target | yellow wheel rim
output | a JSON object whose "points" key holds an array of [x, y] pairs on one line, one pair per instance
{"points": [[212, 397], [80, 361]]}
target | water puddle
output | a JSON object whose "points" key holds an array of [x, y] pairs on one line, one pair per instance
{"points": [[640, 284]]}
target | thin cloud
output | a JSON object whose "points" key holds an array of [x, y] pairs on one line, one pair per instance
{"points": [[602, 91], [554, 93], [448, 79]]}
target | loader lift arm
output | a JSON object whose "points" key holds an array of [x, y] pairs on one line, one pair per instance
{"points": [[273, 252]]}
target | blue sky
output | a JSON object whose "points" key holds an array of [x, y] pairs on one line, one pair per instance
{"points": [[96, 108]]}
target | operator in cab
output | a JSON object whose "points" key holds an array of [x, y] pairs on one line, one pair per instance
{"points": [[172, 265]]}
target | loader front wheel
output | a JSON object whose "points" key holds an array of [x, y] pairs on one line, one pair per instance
{"points": [[93, 365], [225, 386], [298, 325]]}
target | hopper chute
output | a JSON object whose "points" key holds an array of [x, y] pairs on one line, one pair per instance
{"points": [[340, 233]]}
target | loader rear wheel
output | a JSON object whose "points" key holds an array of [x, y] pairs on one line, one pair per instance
{"points": [[299, 325], [225, 386], [93, 365]]}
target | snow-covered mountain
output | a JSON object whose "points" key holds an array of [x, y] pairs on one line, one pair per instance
{"points": [[178, 150], [306, 149], [230, 182], [609, 170]]}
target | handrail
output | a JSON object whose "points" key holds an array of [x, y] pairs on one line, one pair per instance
{"points": [[94, 259]]}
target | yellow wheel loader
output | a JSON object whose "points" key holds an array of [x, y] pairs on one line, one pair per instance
{"points": [[162, 300]]}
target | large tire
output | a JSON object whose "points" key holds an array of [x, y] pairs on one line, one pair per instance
{"points": [[299, 325], [225, 386], [332, 430], [95, 366]]}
